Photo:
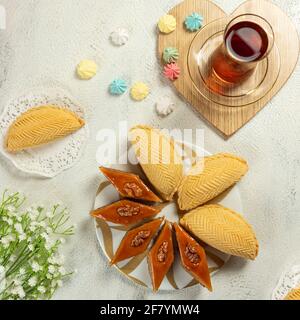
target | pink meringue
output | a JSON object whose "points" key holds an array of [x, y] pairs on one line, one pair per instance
{"points": [[172, 71]]}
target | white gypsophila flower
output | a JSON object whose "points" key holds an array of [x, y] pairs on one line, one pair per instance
{"points": [[21, 292], [22, 271], [18, 291], [59, 283], [49, 276], [19, 219], [29, 240], [19, 228], [49, 245], [33, 227], [7, 240], [35, 266], [2, 278], [41, 289], [30, 247], [10, 209], [4, 219], [45, 236], [17, 282], [33, 213], [32, 281], [22, 236], [10, 222], [62, 270], [51, 269]]}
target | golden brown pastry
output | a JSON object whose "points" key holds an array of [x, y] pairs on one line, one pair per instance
{"points": [[136, 241], [222, 229], [161, 256], [125, 212], [208, 179], [129, 185], [294, 294], [160, 161], [41, 125], [193, 257]]}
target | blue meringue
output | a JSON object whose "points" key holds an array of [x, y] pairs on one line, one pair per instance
{"points": [[117, 87], [194, 22]]}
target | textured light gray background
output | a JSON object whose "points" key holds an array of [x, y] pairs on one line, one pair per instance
{"points": [[44, 41]]}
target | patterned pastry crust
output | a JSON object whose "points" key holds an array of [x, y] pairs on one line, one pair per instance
{"points": [[160, 161], [222, 229], [41, 125], [219, 172], [294, 294]]}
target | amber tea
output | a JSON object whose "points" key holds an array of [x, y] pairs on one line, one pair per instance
{"points": [[245, 43]]}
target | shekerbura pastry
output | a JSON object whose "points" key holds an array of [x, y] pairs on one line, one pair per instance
{"points": [[41, 125], [160, 161], [294, 294], [222, 229], [209, 178]]}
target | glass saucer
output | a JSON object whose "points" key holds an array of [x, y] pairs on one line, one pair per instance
{"points": [[206, 41]]}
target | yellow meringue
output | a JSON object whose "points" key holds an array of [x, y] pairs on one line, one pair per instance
{"points": [[167, 24], [139, 91], [87, 69]]}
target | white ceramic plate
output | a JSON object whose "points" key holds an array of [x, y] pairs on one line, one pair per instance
{"points": [[110, 235]]}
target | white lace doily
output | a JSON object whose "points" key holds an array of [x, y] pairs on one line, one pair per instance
{"points": [[53, 158], [288, 281]]}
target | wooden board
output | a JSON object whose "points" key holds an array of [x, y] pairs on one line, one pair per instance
{"points": [[228, 119]]}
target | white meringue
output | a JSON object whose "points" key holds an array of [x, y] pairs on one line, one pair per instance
{"points": [[119, 37], [165, 106]]}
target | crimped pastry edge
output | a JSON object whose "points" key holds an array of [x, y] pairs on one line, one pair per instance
{"points": [[211, 158]]}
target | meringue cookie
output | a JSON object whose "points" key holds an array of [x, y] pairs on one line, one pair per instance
{"points": [[139, 91], [119, 37], [172, 71], [194, 22], [167, 24], [164, 106], [86, 69], [117, 87], [170, 55]]}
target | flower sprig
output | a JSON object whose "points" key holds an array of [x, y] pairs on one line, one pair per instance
{"points": [[31, 266]]}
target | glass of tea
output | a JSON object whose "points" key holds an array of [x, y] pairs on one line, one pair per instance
{"points": [[248, 39]]}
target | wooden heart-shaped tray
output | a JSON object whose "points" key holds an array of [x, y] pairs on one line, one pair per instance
{"points": [[229, 114]]}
